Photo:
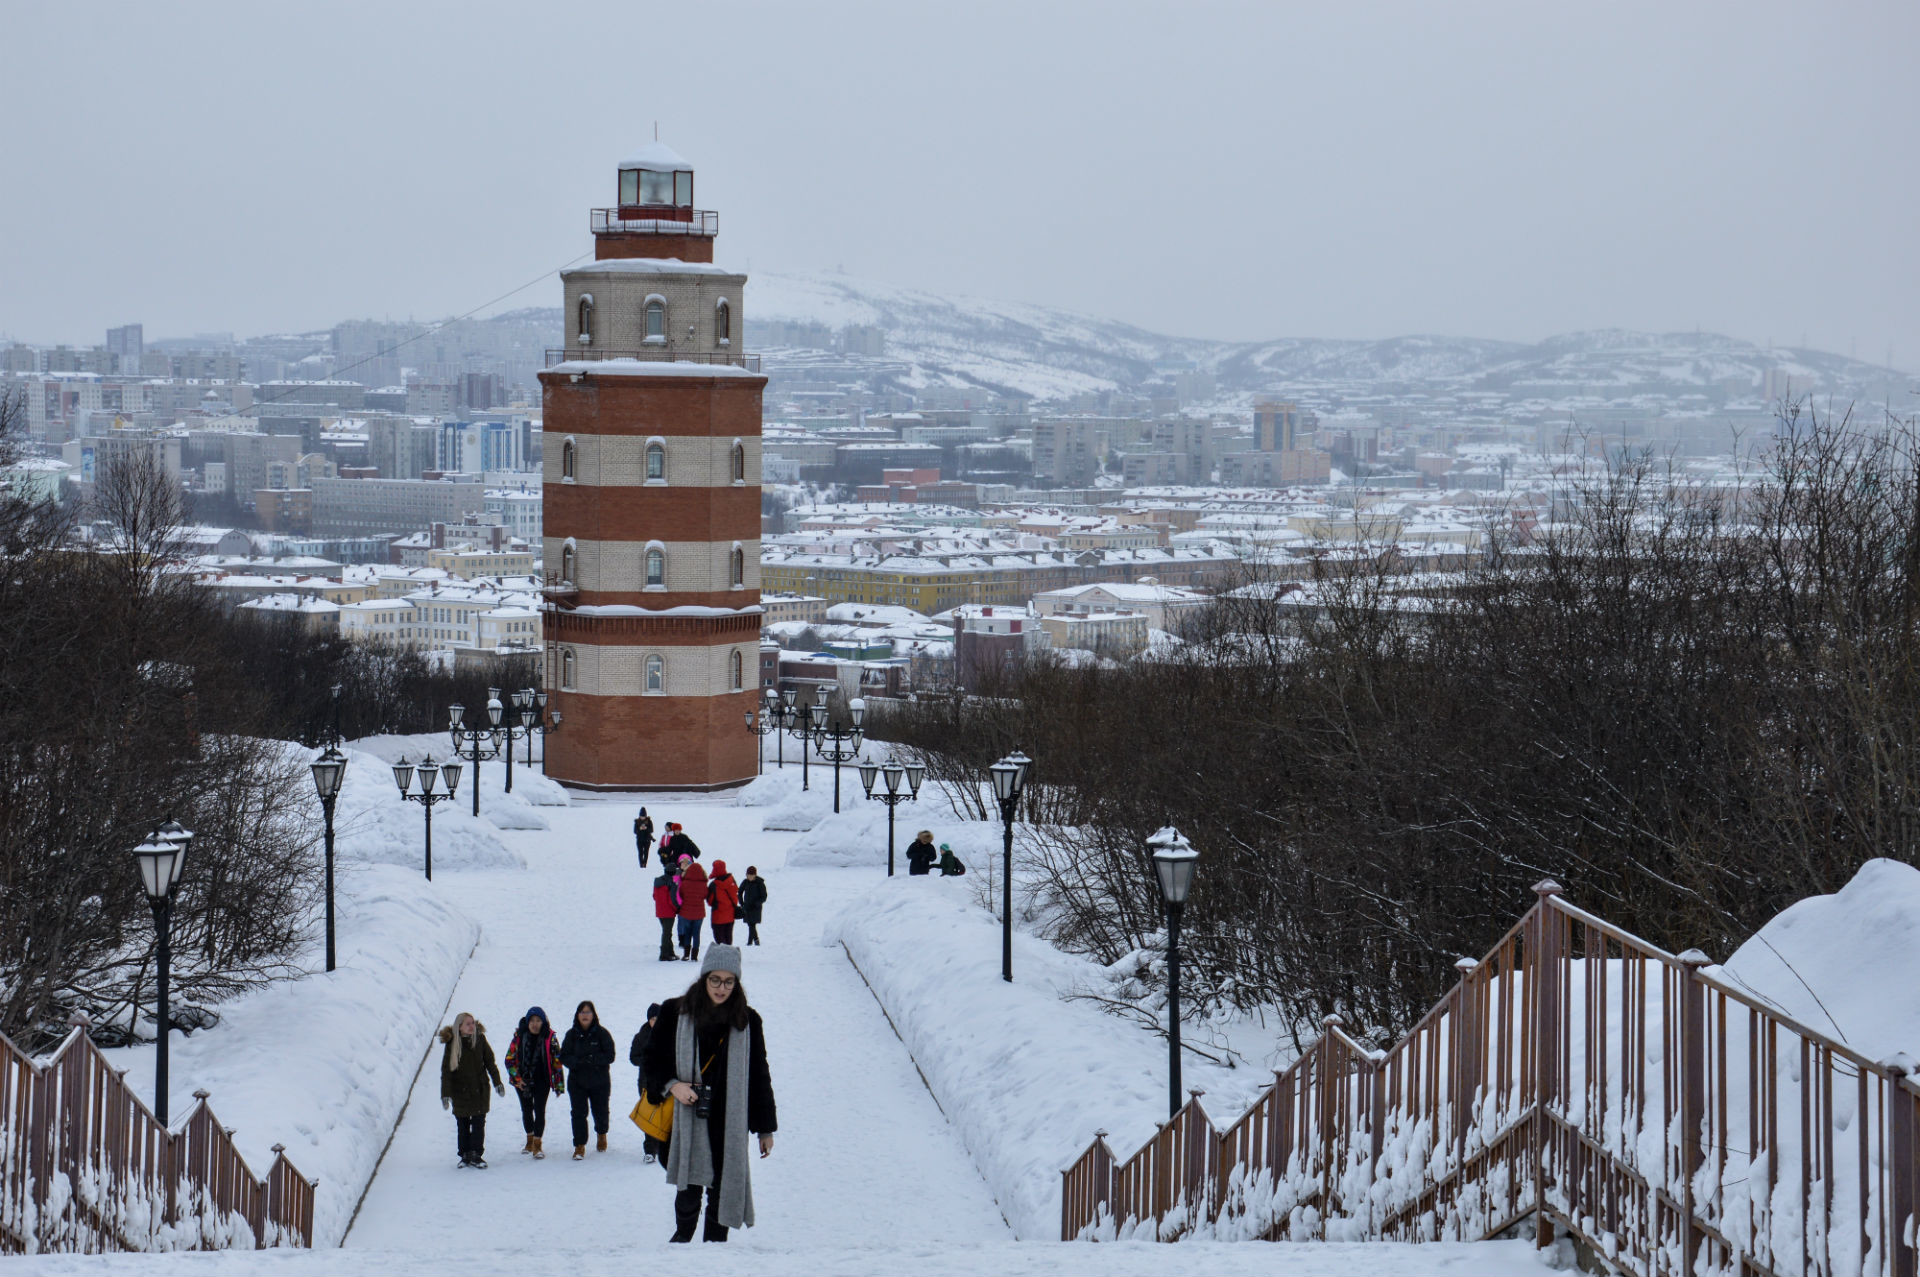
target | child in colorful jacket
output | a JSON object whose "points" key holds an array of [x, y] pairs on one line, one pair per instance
{"points": [[533, 1069]]}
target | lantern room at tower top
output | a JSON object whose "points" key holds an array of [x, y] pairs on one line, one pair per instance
{"points": [[655, 216]]}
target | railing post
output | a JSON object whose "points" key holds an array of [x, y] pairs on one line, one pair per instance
{"points": [[1903, 1147], [1544, 982], [1693, 1097], [1327, 1116]]}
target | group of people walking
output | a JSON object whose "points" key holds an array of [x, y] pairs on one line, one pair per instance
{"points": [[539, 1063], [686, 897], [705, 1051]]}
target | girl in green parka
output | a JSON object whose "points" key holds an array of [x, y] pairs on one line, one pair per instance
{"points": [[466, 1062]]}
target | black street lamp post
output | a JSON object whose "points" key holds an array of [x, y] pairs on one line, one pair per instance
{"points": [[892, 795], [328, 771], [763, 724], [475, 737], [800, 724], [846, 739], [518, 720], [403, 773], [161, 859], [1173, 862], [544, 725], [1009, 783]]}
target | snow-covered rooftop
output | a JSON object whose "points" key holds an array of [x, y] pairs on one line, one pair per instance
{"points": [[657, 157], [651, 266]]}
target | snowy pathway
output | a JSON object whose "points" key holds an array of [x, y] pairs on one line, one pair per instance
{"points": [[863, 1157]]}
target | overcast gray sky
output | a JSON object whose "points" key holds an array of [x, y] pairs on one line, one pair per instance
{"points": [[1231, 171]]}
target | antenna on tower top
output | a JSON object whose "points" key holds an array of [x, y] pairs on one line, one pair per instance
{"points": [[656, 130]]}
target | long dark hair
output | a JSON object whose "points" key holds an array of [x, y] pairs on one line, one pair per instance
{"points": [[586, 1004], [732, 1012]]}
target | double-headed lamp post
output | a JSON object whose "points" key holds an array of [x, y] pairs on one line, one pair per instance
{"points": [[519, 725], [1173, 861], [162, 858], [475, 736], [846, 739], [403, 773], [328, 771], [892, 795], [761, 724], [1009, 783], [800, 724]]}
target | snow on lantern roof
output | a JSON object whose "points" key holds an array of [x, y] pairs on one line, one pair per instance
{"points": [[657, 157]]}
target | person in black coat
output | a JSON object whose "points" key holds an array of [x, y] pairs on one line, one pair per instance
{"points": [[587, 1054], [678, 845], [717, 1001], [921, 853], [753, 901], [637, 1056], [643, 835]]}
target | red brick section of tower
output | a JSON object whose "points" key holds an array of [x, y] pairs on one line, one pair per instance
{"points": [[652, 501]]}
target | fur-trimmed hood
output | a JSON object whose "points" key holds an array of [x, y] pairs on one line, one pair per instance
{"points": [[446, 1030]]}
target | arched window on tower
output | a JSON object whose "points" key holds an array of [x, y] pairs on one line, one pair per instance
{"points": [[586, 319], [738, 462], [566, 667], [656, 567], [566, 562], [569, 460], [656, 463], [656, 319], [735, 671], [737, 568], [656, 676], [722, 323]]}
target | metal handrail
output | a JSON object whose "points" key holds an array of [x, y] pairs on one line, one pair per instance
{"points": [[702, 221], [655, 354]]}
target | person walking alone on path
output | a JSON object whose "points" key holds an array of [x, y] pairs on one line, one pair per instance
{"points": [[637, 1056], [465, 1064], [533, 1068], [950, 866], [588, 1054], [693, 908], [920, 853], [753, 898], [666, 907], [709, 1053], [723, 894], [643, 835]]}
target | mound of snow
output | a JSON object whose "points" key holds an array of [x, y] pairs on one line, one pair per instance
{"points": [[857, 837], [1845, 964], [802, 809], [373, 824]]}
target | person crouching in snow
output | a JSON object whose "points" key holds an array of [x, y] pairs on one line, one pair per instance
{"points": [[465, 1064], [950, 866], [709, 1053], [723, 896], [920, 853], [533, 1068], [588, 1054], [693, 907]]}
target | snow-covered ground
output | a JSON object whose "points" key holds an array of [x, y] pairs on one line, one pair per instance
{"points": [[868, 1174]]}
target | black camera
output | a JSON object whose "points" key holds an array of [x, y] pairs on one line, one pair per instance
{"points": [[702, 1101]]}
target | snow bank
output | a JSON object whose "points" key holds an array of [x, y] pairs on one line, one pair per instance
{"points": [[793, 808], [1845, 964], [857, 839], [1025, 1077], [323, 1064], [372, 824]]}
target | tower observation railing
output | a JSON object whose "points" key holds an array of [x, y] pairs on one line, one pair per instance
{"points": [[698, 221], [1578, 1078], [86, 1166], [654, 354]]}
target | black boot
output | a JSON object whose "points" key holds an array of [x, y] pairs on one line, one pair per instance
{"points": [[686, 1214]]}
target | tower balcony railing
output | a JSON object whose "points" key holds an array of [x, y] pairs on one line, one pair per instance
{"points": [[656, 354], [683, 221]]}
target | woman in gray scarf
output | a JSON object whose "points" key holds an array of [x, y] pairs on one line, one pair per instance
{"points": [[709, 1053]]}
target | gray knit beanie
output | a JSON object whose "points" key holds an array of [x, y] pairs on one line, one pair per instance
{"points": [[721, 957]]}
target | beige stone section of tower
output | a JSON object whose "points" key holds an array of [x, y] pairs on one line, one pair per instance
{"points": [[690, 292], [692, 567], [611, 461], [685, 671]]}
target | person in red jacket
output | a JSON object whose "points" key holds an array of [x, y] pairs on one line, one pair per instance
{"points": [[723, 894], [666, 907], [693, 908]]}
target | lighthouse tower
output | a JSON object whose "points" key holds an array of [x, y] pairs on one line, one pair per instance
{"points": [[652, 500]]}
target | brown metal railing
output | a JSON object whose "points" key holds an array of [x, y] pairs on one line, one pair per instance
{"points": [[85, 1166], [655, 354], [1576, 1076], [699, 221]]}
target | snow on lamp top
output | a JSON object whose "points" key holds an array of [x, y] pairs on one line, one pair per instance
{"points": [[656, 176]]}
